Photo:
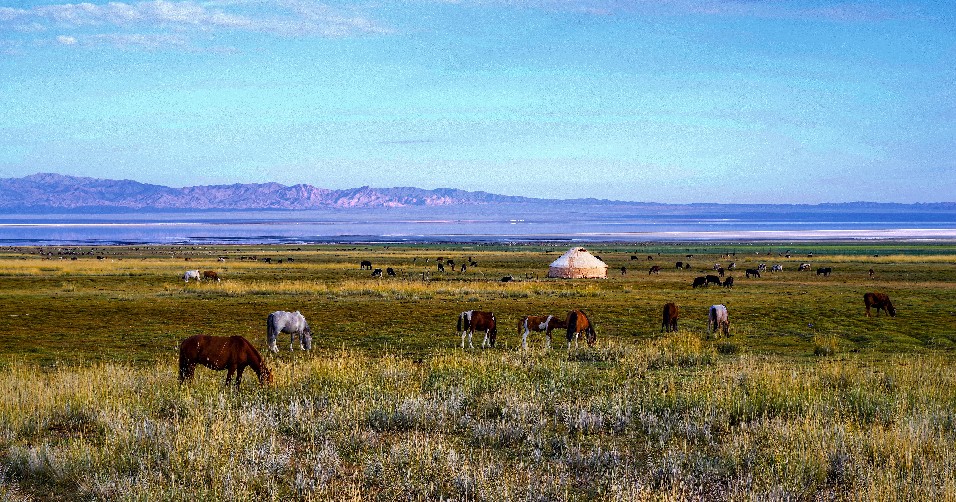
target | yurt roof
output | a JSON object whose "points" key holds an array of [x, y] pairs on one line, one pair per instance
{"points": [[578, 258]]}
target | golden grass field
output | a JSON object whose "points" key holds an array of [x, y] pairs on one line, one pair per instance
{"points": [[807, 399]]}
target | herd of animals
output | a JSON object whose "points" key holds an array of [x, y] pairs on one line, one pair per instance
{"points": [[235, 353]]}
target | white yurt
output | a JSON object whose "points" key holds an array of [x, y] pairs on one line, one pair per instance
{"points": [[578, 263]]}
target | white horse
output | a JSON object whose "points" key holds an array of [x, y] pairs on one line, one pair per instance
{"points": [[191, 274], [293, 323], [718, 319]]}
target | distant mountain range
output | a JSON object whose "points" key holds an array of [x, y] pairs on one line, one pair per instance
{"points": [[56, 192]]}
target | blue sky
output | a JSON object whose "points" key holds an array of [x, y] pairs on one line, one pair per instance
{"points": [[645, 100]]}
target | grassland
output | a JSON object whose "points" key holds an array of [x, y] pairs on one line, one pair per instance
{"points": [[808, 399]]}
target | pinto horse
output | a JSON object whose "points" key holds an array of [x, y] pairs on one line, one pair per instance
{"points": [[231, 353], [472, 320], [578, 323], [539, 323], [292, 323], [718, 319]]}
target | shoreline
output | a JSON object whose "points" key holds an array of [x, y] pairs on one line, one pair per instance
{"points": [[746, 236]]}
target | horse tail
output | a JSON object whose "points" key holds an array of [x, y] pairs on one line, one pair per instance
{"points": [[458, 327], [271, 328], [572, 324]]}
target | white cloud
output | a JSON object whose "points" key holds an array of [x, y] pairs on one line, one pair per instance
{"points": [[169, 21], [65, 40]]}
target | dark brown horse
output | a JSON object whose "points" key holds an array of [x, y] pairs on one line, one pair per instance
{"points": [[470, 321], [530, 323], [578, 323], [232, 353], [879, 301], [670, 318]]}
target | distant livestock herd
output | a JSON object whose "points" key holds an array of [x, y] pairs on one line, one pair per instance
{"points": [[235, 353]]}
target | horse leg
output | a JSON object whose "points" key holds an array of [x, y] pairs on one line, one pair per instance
{"points": [[524, 338], [463, 334], [229, 373], [291, 341], [485, 342], [239, 376]]}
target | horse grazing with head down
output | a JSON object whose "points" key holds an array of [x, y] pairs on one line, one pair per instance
{"points": [[476, 320], [292, 323], [718, 319], [880, 301], [191, 274], [231, 353], [530, 323], [578, 323]]}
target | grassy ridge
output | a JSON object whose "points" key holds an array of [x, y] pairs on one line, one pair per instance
{"points": [[667, 418], [808, 398]]}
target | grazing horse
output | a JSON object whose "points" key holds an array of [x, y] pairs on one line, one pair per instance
{"points": [[471, 320], [192, 274], [699, 281], [508, 278], [390, 271], [729, 282], [377, 272], [669, 322], [720, 271], [776, 268], [365, 265], [712, 279], [530, 323], [293, 323], [754, 272], [656, 269], [824, 271], [232, 353], [680, 265], [804, 267], [881, 301], [718, 319], [578, 323], [210, 275]]}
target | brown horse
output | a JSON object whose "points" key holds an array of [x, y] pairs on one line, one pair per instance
{"points": [[880, 301], [530, 323], [578, 323], [232, 353], [476, 320], [670, 318]]}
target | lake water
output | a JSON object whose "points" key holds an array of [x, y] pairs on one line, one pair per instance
{"points": [[570, 223]]}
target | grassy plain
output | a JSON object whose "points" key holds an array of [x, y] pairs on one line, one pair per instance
{"points": [[807, 399]]}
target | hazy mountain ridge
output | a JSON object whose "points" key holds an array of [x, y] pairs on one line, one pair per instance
{"points": [[56, 192]]}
